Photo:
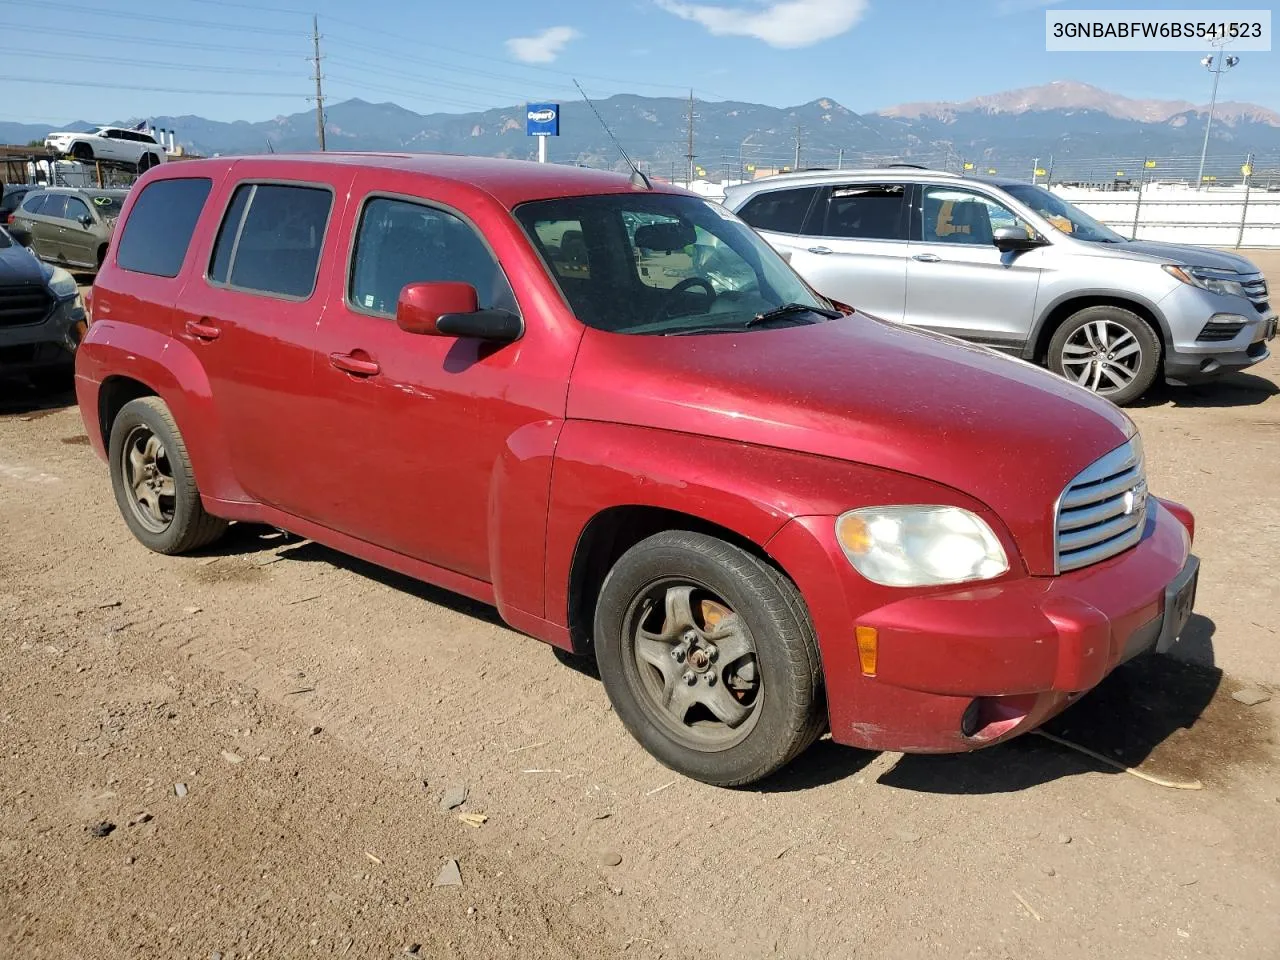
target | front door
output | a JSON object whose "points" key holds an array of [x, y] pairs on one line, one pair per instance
{"points": [[78, 241], [855, 247], [46, 226], [958, 282], [250, 315], [416, 429]]}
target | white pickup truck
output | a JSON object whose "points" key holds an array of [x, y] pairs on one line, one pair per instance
{"points": [[109, 143]]}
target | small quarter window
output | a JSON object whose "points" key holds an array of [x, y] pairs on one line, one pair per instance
{"points": [[158, 232]]}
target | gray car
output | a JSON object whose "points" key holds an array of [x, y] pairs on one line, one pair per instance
{"points": [[71, 226], [1015, 267]]}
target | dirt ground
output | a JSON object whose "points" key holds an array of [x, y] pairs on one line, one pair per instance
{"points": [[314, 710]]}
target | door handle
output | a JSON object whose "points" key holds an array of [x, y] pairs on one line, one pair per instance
{"points": [[927, 257], [821, 251], [354, 365], [203, 329]]}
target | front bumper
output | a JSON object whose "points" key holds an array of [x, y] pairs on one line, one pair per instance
{"points": [[964, 667], [1189, 359], [50, 343]]}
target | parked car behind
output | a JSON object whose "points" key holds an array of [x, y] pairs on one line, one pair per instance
{"points": [[11, 196], [119, 144], [614, 412], [41, 316], [1015, 267], [71, 226]]}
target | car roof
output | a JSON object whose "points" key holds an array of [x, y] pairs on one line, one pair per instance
{"points": [[510, 182], [806, 178], [96, 191]]}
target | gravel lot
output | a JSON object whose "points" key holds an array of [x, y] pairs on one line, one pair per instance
{"points": [[314, 710]]}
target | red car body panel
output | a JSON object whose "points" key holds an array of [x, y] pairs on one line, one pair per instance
{"points": [[480, 468]]}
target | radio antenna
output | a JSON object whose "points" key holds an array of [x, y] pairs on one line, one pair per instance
{"points": [[638, 179]]}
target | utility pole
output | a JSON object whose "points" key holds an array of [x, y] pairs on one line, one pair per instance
{"points": [[315, 41], [689, 153], [797, 166], [1217, 65]]}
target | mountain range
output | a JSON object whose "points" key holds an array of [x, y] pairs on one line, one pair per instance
{"points": [[1069, 121]]}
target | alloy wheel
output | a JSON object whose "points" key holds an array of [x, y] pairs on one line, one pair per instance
{"points": [[1103, 356]]}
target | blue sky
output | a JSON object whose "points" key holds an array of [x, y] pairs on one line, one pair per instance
{"points": [[235, 59]]}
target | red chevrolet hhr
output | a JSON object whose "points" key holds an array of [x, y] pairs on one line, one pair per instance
{"points": [[611, 410]]}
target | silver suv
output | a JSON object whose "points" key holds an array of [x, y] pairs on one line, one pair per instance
{"points": [[1015, 267]]}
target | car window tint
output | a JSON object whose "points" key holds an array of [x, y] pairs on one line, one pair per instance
{"points": [[76, 208], [959, 216], [55, 205], [158, 232], [400, 242], [220, 266], [277, 247], [866, 212], [34, 202], [779, 211]]}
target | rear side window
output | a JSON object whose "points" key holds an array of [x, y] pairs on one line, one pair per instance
{"points": [[158, 232], [866, 212], [34, 202], [270, 239], [779, 211], [55, 205]]}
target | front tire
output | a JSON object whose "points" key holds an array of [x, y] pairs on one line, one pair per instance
{"points": [[1109, 350], [82, 152], [709, 658], [153, 483]]}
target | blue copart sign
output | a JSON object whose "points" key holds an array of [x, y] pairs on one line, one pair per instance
{"points": [[542, 119]]}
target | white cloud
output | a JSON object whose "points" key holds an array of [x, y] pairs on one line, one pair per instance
{"points": [[786, 24], [542, 47]]}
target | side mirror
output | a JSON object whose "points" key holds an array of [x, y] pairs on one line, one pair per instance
{"points": [[1008, 239], [85, 220], [451, 310], [20, 234]]}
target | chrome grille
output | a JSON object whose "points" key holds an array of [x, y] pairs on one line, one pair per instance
{"points": [[1255, 288], [1103, 510], [23, 305]]}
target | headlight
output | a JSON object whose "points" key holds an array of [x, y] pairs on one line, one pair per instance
{"points": [[1225, 282], [920, 546], [62, 284]]}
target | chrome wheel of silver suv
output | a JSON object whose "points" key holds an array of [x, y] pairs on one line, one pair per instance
{"points": [[1108, 350]]}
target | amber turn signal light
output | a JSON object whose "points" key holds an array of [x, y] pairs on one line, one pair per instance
{"points": [[867, 649]]}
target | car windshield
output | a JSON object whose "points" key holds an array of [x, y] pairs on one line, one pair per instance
{"points": [[107, 205], [654, 263], [1070, 220]]}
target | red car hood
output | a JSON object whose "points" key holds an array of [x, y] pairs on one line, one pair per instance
{"points": [[1002, 431]]}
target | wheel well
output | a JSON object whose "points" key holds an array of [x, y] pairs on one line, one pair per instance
{"points": [[114, 393], [1065, 309], [609, 535]]}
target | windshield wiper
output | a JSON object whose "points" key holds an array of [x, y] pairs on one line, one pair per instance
{"points": [[788, 310]]}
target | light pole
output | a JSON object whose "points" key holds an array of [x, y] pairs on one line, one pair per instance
{"points": [[1217, 65]]}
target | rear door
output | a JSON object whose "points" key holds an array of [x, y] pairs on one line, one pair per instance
{"points": [[46, 226], [855, 247], [251, 313], [957, 281]]}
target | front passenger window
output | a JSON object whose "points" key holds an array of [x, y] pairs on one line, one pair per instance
{"points": [[959, 216], [400, 242]]}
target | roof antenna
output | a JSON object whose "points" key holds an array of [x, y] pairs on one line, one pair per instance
{"points": [[638, 179]]}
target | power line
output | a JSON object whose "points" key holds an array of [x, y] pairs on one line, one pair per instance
{"points": [[408, 95], [122, 86], [93, 58], [177, 21], [397, 75], [120, 38]]}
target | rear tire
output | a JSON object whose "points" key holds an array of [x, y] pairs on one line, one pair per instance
{"points": [[1109, 350], [153, 483], [681, 605], [146, 162]]}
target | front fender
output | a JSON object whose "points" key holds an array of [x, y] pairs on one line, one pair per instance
{"points": [[750, 490], [171, 370]]}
